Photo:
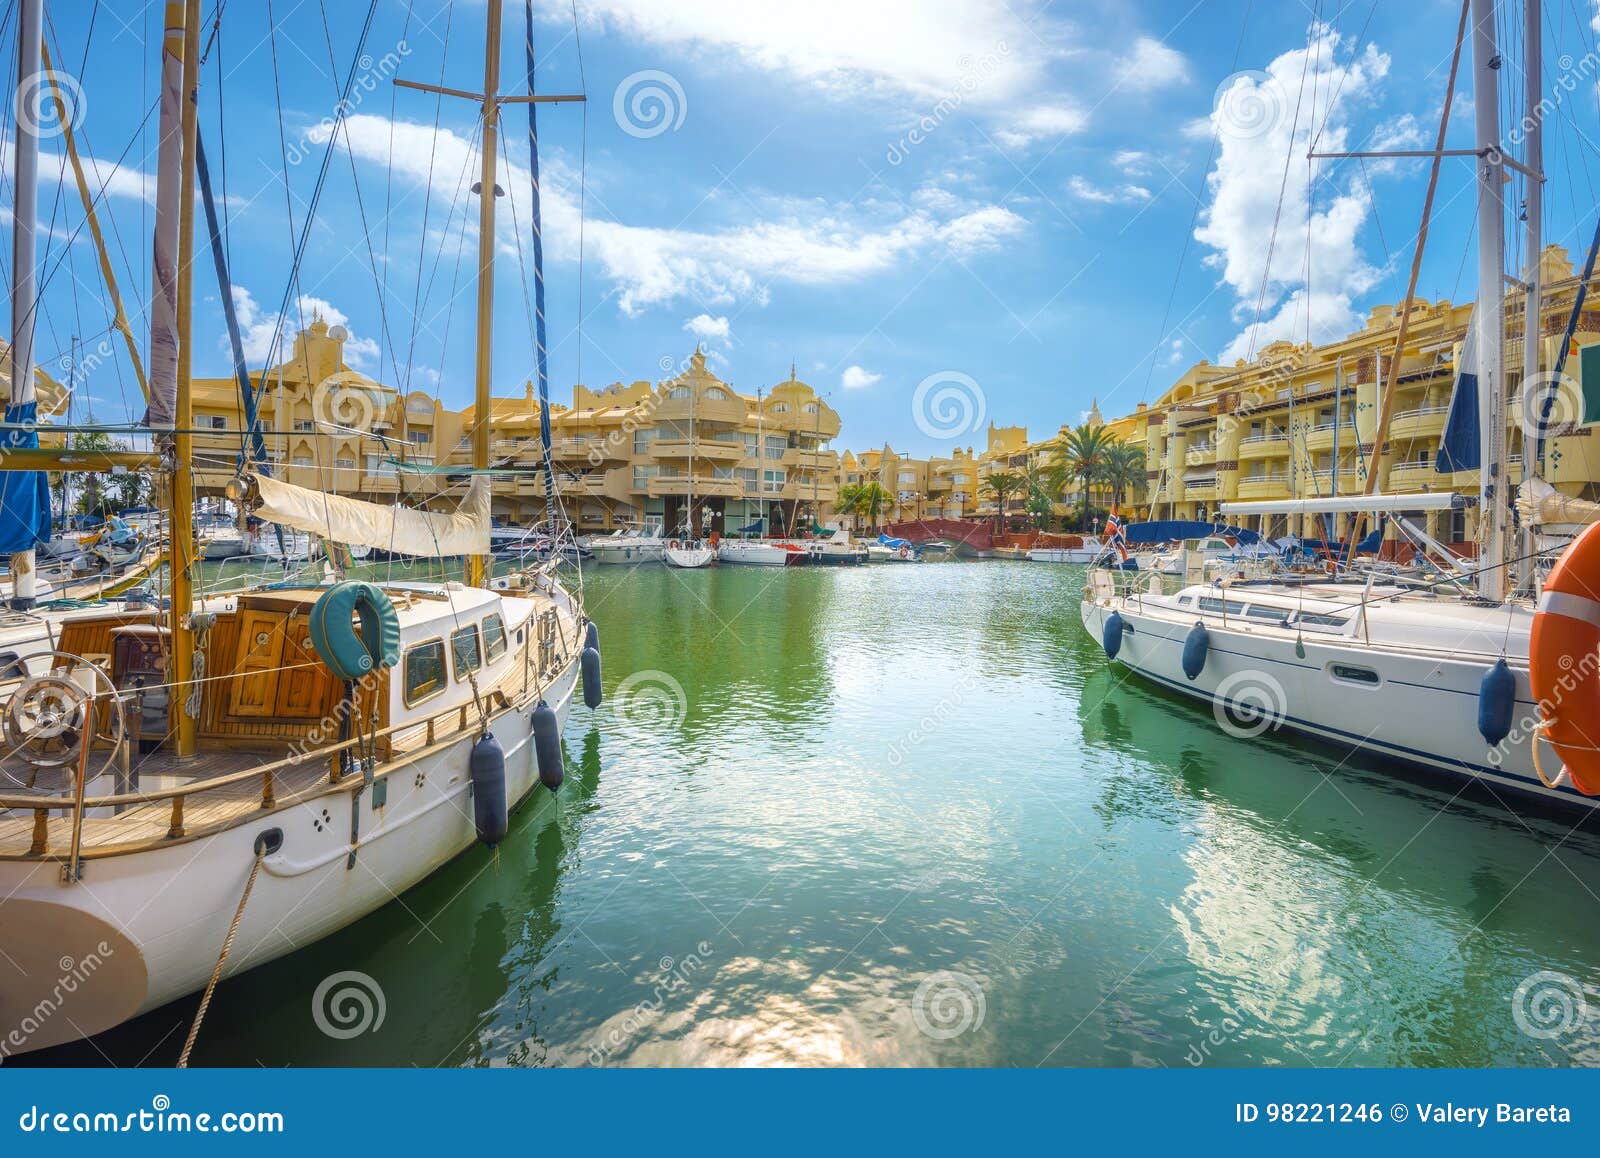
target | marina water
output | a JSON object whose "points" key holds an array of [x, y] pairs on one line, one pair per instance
{"points": [[907, 815]]}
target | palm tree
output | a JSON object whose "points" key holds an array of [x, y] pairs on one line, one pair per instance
{"points": [[1082, 454], [1001, 485], [866, 500], [1124, 472]]}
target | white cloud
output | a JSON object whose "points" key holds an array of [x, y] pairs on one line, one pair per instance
{"points": [[1041, 121], [803, 243], [844, 46], [1151, 65], [256, 328], [1256, 127], [709, 329], [1132, 162], [1085, 190], [856, 378]]}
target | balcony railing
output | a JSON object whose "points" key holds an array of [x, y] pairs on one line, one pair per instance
{"points": [[1254, 439]]}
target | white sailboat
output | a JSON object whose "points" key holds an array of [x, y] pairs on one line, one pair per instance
{"points": [[760, 551], [689, 552], [173, 829], [1432, 673]]}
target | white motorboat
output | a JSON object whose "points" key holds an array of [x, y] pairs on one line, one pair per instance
{"points": [[892, 551], [1090, 550], [639, 544], [688, 554], [837, 550]]}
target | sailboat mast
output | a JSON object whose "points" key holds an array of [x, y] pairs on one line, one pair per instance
{"points": [[1533, 206], [689, 532], [1490, 316], [25, 214], [478, 565], [182, 546]]}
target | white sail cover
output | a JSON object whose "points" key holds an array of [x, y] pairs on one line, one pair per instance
{"points": [[358, 523]]}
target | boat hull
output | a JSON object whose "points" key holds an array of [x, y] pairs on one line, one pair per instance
{"points": [[145, 928], [1422, 714]]}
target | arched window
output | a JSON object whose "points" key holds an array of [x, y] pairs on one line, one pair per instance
{"points": [[716, 394], [780, 408], [678, 392], [809, 408], [420, 406]]}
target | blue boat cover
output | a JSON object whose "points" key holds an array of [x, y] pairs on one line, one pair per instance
{"points": [[1165, 530], [896, 544], [24, 494], [1460, 448], [751, 528]]}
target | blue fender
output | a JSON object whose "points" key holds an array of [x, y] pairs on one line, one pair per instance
{"points": [[350, 656], [1497, 702], [591, 635], [547, 747], [589, 667], [1111, 634], [487, 766], [1195, 647]]}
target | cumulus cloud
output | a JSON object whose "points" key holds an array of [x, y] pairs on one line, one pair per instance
{"points": [[856, 378], [1040, 122], [1151, 65], [709, 329], [1256, 128], [803, 243]]}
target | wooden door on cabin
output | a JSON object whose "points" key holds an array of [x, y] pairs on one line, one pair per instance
{"points": [[302, 692], [255, 690]]}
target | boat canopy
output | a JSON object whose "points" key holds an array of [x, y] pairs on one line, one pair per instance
{"points": [[1166, 530], [1335, 504], [358, 523]]}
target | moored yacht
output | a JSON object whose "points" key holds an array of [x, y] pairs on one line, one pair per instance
{"points": [[637, 544]]}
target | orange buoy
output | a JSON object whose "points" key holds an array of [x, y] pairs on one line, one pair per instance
{"points": [[1564, 661]]}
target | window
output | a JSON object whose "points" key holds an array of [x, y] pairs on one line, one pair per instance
{"points": [[494, 637], [776, 445], [809, 408], [1309, 619], [780, 408], [1270, 614], [213, 422], [1228, 606], [302, 460], [304, 425], [907, 476], [774, 480], [678, 392], [642, 476], [421, 437], [642, 440], [344, 464], [715, 394], [419, 406], [1353, 675], [958, 479], [379, 466], [424, 671], [466, 651]]}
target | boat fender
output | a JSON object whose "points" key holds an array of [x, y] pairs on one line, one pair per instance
{"points": [[547, 746], [1195, 646], [350, 656], [590, 668], [487, 765], [1497, 702], [591, 634], [1111, 634]]}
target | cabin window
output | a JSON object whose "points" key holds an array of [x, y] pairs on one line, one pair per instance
{"points": [[494, 638], [1224, 606], [466, 650], [1311, 619], [1353, 675], [424, 671], [1271, 614]]}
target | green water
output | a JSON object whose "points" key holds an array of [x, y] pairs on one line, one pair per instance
{"points": [[906, 815]]}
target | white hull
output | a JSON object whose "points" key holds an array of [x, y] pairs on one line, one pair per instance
{"points": [[1422, 709], [152, 922], [753, 553], [688, 558], [625, 552], [1064, 554]]}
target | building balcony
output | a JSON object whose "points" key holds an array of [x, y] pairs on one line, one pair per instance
{"points": [[1418, 422], [660, 487], [1268, 486], [1322, 435], [1264, 446], [673, 449], [1201, 454], [1321, 482], [1200, 488], [811, 459], [730, 411], [1413, 475]]}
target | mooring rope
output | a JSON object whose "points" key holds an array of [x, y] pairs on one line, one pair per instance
{"points": [[222, 958]]}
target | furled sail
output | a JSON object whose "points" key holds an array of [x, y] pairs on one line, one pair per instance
{"points": [[358, 523]]}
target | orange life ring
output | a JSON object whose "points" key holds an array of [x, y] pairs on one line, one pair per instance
{"points": [[1561, 660], [673, 544], [905, 552]]}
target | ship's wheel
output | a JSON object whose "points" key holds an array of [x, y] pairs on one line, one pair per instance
{"points": [[49, 718]]}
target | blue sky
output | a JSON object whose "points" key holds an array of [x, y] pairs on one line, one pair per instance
{"points": [[1000, 197]]}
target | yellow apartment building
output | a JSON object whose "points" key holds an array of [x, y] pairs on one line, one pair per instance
{"points": [[1299, 421], [621, 455]]}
